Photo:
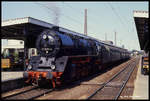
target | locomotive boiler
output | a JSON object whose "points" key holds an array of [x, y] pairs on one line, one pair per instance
{"points": [[64, 57]]}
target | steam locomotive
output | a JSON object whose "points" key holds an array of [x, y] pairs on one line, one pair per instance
{"points": [[65, 56]]}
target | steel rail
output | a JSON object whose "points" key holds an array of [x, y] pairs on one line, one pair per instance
{"points": [[29, 93], [19, 93], [124, 83], [110, 80], [50, 90]]}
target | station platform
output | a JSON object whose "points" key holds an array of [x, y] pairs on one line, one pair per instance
{"points": [[11, 80], [141, 85], [6, 76]]}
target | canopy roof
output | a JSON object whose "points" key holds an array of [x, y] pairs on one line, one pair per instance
{"points": [[141, 22], [15, 28]]}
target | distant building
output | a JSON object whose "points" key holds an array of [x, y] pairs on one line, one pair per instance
{"points": [[135, 52]]}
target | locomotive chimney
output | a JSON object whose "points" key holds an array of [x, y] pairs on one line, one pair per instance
{"points": [[85, 22]]}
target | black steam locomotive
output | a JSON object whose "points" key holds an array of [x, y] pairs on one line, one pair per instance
{"points": [[64, 56]]}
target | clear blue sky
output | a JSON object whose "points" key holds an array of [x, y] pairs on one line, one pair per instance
{"points": [[103, 17]]}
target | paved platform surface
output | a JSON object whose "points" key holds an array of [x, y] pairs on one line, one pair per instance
{"points": [[11, 75], [141, 90]]}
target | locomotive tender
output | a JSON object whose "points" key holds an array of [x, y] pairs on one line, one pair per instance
{"points": [[64, 56]]}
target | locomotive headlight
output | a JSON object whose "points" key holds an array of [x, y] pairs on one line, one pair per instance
{"points": [[51, 38], [53, 67], [44, 36], [29, 67]]}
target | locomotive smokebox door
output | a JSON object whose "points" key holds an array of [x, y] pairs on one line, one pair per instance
{"points": [[48, 43]]}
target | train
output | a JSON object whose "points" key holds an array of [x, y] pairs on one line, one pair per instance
{"points": [[64, 56]]}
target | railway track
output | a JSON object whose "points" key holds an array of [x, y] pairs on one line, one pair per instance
{"points": [[112, 88], [28, 93]]}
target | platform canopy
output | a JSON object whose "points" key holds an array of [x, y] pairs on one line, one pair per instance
{"points": [[19, 27], [141, 22], [15, 28]]}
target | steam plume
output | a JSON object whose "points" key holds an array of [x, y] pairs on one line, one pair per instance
{"points": [[55, 12]]}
